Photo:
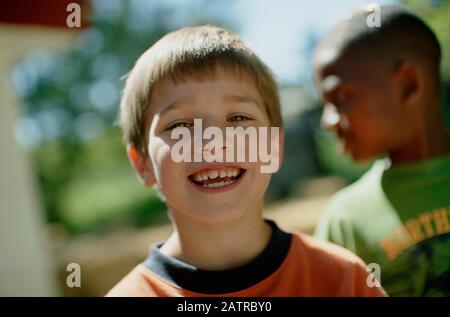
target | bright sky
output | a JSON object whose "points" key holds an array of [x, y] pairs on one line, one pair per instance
{"points": [[278, 30]]}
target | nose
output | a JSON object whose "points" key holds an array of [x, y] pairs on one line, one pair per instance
{"points": [[204, 138], [330, 118]]}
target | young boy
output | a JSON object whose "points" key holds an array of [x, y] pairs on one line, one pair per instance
{"points": [[381, 88], [221, 245]]}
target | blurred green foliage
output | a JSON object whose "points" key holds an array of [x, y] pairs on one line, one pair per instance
{"points": [[71, 101], [437, 14]]}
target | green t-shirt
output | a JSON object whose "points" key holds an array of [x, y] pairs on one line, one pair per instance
{"points": [[397, 217]]}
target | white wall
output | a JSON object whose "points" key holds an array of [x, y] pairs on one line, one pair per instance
{"points": [[25, 261]]}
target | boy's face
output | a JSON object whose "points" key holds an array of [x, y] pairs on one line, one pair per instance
{"points": [[362, 103], [208, 192]]}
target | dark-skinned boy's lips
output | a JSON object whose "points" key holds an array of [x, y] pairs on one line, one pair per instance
{"points": [[346, 145]]}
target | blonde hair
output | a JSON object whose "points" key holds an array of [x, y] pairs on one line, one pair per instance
{"points": [[194, 52]]}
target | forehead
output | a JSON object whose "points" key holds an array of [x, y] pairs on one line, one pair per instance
{"points": [[354, 62], [226, 85], [346, 65]]}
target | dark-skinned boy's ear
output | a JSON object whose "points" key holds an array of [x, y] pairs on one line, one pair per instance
{"points": [[142, 166], [410, 79]]}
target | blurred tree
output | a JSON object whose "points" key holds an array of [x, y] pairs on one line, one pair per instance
{"points": [[437, 14], [71, 104]]}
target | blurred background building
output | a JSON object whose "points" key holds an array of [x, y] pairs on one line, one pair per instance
{"points": [[26, 266], [67, 192]]}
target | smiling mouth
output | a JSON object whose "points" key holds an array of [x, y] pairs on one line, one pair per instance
{"points": [[217, 177]]}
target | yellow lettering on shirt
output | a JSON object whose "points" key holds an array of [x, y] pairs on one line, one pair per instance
{"points": [[425, 226]]}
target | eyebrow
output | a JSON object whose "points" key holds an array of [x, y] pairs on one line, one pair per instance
{"points": [[241, 98], [228, 98], [176, 104]]}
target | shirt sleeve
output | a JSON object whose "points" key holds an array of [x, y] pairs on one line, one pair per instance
{"points": [[336, 226]]}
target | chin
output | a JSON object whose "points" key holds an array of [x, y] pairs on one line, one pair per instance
{"points": [[363, 156], [358, 158]]}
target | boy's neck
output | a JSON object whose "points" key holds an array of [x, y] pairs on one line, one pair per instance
{"points": [[430, 139], [218, 246]]}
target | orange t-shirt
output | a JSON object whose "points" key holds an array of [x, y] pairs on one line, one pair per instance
{"points": [[310, 267]]}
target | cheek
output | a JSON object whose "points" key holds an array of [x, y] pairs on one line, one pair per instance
{"points": [[367, 128], [383, 116], [382, 102], [369, 112], [163, 165], [265, 179], [261, 181]]}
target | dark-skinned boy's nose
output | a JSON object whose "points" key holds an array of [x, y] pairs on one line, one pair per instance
{"points": [[330, 118]]}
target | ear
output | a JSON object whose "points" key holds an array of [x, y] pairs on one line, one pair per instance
{"points": [[409, 80], [142, 166]]}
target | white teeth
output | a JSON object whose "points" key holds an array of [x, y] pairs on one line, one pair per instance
{"points": [[218, 184], [213, 174]]}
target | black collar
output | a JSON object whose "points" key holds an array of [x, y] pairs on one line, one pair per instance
{"points": [[197, 280]]}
